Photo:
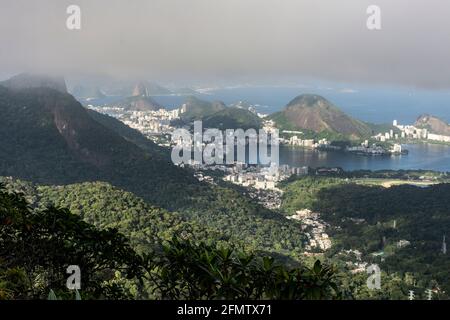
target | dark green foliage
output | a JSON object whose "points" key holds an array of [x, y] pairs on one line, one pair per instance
{"points": [[412, 175], [129, 134], [138, 103], [362, 218], [196, 109], [36, 247], [50, 138], [302, 193], [283, 123], [422, 218], [382, 128], [108, 207], [241, 220], [232, 118], [222, 215], [188, 271]]}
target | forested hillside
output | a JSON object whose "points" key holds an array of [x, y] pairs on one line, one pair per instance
{"points": [[38, 243], [401, 228], [230, 217]]}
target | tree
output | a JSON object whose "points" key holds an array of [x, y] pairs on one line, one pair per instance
{"points": [[38, 245], [199, 271]]}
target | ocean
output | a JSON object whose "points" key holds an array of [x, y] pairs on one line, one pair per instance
{"points": [[374, 104]]}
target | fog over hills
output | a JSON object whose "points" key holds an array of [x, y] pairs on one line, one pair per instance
{"points": [[213, 40], [53, 139], [28, 81]]}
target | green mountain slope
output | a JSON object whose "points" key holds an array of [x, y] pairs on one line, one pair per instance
{"points": [[106, 206], [232, 118], [138, 103], [400, 228], [52, 139], [37, 241], [315, 113], [433, 124], [128, 133], [146, 88], [196, 109]]}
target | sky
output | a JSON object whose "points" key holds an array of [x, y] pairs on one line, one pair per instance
{"points": [[231, 40]]}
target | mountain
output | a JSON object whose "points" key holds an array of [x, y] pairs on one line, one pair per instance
{"points": [[140, 90], [140, 99], [146, 88], [232, 118], [128, 133], [433, 124], [48, 137], [138, 103], [217, 115], [244, 105], [196, 109], [315, 113], [26, 81], [82, 92], [382, 128]]}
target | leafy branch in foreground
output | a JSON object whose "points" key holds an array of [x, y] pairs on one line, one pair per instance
{"points": [[199, 271], [36, 246]]}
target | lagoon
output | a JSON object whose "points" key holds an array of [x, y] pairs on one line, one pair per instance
{"points": [[421, 156]]}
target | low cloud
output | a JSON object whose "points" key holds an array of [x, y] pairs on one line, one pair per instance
{"points": [[348, 91], [231, 39]]}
